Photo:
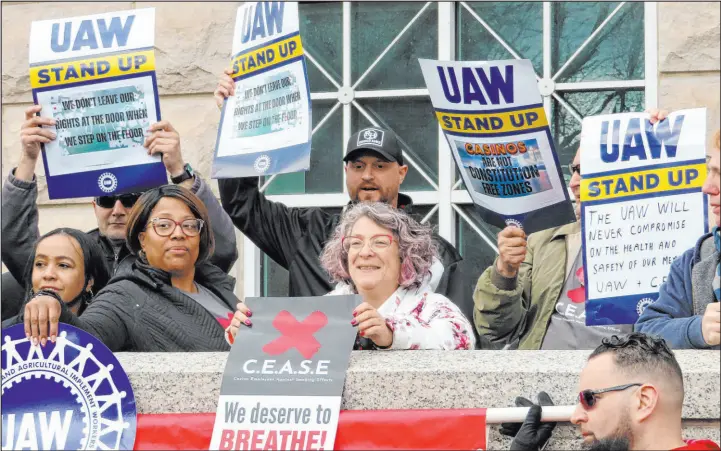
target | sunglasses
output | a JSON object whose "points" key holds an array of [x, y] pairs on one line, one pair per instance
{"points": [[573, 168], [588, 398], [128, 200]]}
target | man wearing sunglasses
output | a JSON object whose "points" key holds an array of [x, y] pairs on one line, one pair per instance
{"points": [[630, 397], [20, 210], [533, 296]]}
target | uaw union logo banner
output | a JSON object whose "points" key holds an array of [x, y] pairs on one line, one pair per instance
{"points": [[71, 394]]}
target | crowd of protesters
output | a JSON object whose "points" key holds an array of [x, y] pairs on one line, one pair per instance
{"points": [[153, 277]]}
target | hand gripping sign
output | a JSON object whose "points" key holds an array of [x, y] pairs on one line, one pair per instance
{"points": [[642, 206], [284, 376], [492, 115], [71, 394], [95, 75], [265, 127]]}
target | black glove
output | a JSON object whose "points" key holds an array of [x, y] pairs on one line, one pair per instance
{"points": [[511, 429], [533, 435]]}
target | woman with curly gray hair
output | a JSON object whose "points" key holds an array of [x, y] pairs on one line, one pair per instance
{"points": [[389, 259]]}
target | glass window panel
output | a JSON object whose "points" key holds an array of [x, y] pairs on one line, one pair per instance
{"points": [[374, 25], [322, 33], [326, 157], [616, 53], [566, 129], [275, 278], [411, 118], [519, 24], [420, 211], [475, 251]]}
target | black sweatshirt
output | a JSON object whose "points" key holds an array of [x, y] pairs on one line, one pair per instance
{"points": [[139, 310], [294, 239]]}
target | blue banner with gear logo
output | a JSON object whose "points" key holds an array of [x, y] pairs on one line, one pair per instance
{"points": [[71, 394]]}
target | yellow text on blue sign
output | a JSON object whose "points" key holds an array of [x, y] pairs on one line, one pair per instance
{"points": [[268, 56], [96, 68], [492, 123], [643, 182]]}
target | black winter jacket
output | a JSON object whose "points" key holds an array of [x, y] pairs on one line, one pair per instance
{"points": [[139, 310], [294, 238]]}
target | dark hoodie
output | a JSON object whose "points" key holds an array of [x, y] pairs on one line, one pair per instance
{"points": [[139, 310], [294, 238]]}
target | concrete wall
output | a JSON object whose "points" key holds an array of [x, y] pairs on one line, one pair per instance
{"points": [[689, 57], [193, 45], [190, 383]]}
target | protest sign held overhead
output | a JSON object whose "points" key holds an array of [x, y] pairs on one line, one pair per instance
{"points": [[642, 206], [284, 376], [492, 115], [265, 128], [71, 394], [95, 75]]}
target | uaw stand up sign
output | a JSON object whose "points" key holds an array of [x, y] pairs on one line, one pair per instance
{"points": [[71, 394]]}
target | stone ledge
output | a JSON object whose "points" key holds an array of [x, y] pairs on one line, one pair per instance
{"points": [[190, 382]]}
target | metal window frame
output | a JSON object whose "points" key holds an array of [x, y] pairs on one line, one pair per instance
{"points": [[446, 197]]}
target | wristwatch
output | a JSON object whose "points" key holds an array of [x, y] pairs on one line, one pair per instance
{"points": [[187, 174]]}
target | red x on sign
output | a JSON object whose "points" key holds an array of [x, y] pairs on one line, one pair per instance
{"points": [[296, 334]]}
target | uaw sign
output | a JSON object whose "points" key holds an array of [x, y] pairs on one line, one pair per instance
{"points": [[266, 126], [284, 376], [642, 206], [71, 394], [95, 76]]}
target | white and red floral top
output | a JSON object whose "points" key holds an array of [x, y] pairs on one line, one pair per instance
{"points": [[422, 319]]}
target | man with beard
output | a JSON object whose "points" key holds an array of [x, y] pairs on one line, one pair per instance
{"points": [[294, 237], [631, 396]]}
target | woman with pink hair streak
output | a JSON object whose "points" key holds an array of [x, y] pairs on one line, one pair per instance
{"points": [[389, 259]]}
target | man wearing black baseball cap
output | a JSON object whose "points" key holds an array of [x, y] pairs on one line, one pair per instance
{"points": [[374, 166], [294, 237]]}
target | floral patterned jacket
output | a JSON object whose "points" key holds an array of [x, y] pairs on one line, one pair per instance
{"points": [[421, 318]]}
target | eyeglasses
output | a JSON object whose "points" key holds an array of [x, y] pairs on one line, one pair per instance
{"points": [[128, 200], [378, 243], [588, 398], [166, 227], [573, 168]]}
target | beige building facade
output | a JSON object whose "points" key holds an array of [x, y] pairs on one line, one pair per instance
{"points": [[370, 51]]}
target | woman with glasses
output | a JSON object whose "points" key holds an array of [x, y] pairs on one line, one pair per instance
{"points": [[389, 259], [21, 215], [171, 299]]}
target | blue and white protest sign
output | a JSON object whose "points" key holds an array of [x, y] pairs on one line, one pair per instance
{"points": [[492, 115], [641, 206], [71, 394], [95, 75], [265, 128]]}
